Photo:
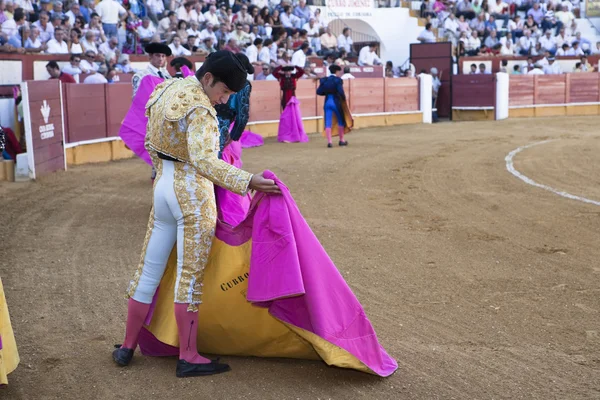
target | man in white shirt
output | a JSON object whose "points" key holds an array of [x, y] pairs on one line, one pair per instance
{"points": [[208, 32], [146, 31], [252, 51], [111, 13], [95, 78], [312, 31], [526, 43], [344, 41], [45, 27], [427, 36], [88, 63], [347, 74], [187, 13], [537, 70], [11, 26], [553, 68], [451, 29], [211, 16], [264, 55], [72, 13], [548, 42], [57, 45], [177, 49], [110, 47], [73, 68], [367, 56], [299, 56]]}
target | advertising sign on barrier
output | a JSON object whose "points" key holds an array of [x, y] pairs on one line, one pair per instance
{"points": [[44, 126]]}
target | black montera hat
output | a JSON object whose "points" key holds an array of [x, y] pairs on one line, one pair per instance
{"points": [[228, 68], [158, 48]]}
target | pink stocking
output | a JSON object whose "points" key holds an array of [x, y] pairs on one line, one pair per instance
{"points": [[136, 315], [187, 325], [328, 133], [341, 133]]}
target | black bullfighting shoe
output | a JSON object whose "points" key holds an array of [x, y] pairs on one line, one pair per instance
{"points": [[186, 369], [122, 356]]}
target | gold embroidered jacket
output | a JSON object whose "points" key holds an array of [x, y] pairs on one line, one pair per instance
{"points": [[182, 124]]}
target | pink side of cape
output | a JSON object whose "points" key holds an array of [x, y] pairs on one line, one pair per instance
{"points": [[291, 129]]}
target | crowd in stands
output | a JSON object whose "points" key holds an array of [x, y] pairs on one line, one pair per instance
{"points": [[533, 28], [101, 35]]}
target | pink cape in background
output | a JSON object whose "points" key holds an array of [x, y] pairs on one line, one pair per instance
{"points": [[291, 129], [251, 139]]}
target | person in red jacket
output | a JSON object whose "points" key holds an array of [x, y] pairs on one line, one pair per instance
{"points": [[55, 73], [287, 76]]}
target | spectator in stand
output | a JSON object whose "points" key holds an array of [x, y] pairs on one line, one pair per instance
{"points": [[124, 65], [145, 31], [473, 44], [473, 70], [88, 63], [344, 41], [191, 44], [33, 44], [299, 57], [347, 74], [73, 67], [312, 30], [563, 51], [253, 50], [110, 47], [564, 17], [177, 49], [329, 42], [584, 43], [426, 9], [46, 29], [463, 25], [110, 13], [548, 42], [536, 13], [478, 25], [451, 29], [88, 43], [187, 12], [427, 36], [303, 12], [499, 10], [537, 70], [492, 40], [553, 68], [464, 9], [482, 69], [57, 45], [262, 75], [516, 70], [504, 66], [96, 77], [585, 66], [368, 56], [525, 43], [10, 26], [55, 73], [507, 49], [576, 50], [207, 46]]}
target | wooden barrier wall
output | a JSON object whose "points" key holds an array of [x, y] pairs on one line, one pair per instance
{"points": [[495, 61], [473, 91], [45, 114], [525, 90], [96, 111], [364, 96]]}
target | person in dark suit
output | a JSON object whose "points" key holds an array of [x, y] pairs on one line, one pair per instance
{"points": [[332, 87]]}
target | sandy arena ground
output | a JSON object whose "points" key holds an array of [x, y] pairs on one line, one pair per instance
{"points": [[480, 285]]}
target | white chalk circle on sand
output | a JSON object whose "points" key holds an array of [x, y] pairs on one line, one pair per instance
{"points": [[511, 168]]}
